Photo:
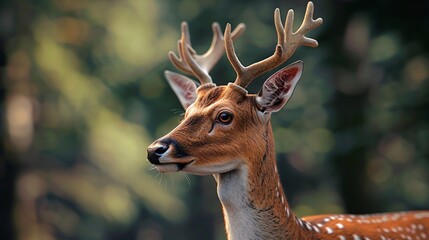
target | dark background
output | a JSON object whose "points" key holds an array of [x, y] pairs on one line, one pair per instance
{"points": [[83, 95]]}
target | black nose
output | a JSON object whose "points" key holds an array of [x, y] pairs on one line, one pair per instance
{"points": [[154, 152]]}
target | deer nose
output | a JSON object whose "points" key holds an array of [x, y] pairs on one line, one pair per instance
{"points": [[155, 151]]}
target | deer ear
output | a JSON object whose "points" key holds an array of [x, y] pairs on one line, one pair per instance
{"points": [[184, 87], [278, 88]]}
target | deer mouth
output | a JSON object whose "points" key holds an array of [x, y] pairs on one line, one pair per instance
{"points": [[172, 166]]}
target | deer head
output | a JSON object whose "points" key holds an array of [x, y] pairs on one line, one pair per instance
{"points": [[226, 132], [224, 127]]}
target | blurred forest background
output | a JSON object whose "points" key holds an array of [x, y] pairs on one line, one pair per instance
{"points": [[83, 95]]}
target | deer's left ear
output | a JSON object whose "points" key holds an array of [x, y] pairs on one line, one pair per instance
{"points": [[278, 88], [184, 87]]}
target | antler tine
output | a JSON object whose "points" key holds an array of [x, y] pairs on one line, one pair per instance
{"points": [[217, 46], [307, 25], [179, 62], [246, 74], [287, 43], [199, 65], [230, 52], [187, 51]]}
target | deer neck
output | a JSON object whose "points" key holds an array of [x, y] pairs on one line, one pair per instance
{"points": [[253, 201]]}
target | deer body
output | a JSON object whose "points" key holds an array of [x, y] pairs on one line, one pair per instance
{"points": [[226, 132]]}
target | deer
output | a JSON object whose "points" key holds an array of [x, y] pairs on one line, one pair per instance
{"points": [[226, 132]]}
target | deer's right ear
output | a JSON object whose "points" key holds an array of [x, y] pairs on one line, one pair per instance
{"points": [[184, 87], [278, 88]]}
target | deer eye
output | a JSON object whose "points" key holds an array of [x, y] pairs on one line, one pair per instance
{"points": [[225, 117]]}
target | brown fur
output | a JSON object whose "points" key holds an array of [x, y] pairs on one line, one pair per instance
{"points": [[249, 139]]}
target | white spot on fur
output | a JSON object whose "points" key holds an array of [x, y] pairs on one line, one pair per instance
{"points": [[308, 226], [300, 222], [316, 229]]}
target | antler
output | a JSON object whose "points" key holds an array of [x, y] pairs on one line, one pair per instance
{"points": [[200, 65], [287, 43]]}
